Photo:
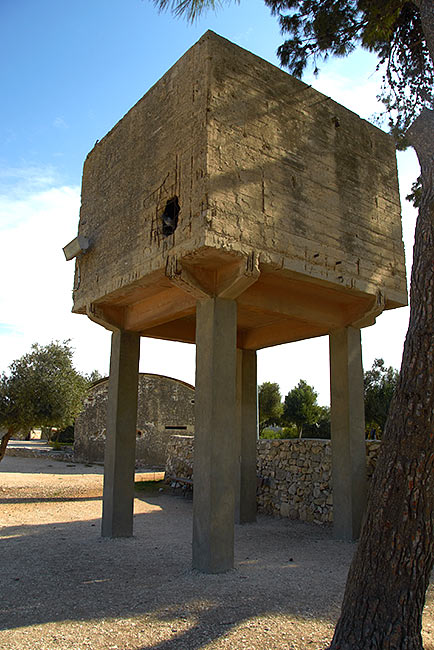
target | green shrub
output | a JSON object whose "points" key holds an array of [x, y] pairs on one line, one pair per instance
{"points": [[270, 434], [289, 432], [279, 434], [56, 446], [66, 434]]}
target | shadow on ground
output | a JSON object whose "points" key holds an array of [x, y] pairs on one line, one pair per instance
{"points": [[65, 571]]}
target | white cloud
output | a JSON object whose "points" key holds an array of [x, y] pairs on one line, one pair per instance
{"points": [[18, 185], [358, 97], [60, 123], [28, 177], [35, 291]]}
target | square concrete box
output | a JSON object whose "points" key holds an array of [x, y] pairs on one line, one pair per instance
{"points": [[232, 179]]}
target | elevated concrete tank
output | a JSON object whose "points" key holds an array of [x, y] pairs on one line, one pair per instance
{"points": [[237, 208]]}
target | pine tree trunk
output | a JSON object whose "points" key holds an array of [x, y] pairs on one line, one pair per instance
{"points": [[387, 582], [4, 442]]}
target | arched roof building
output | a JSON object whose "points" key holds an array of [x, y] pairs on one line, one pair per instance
{"points": [[165, 407]]}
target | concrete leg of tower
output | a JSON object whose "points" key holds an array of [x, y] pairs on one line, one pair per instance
{"points": [[348, 433], [245, 510], [119, 458], [216, 431]]}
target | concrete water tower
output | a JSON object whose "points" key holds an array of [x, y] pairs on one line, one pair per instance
{"points": [[237, 208]]}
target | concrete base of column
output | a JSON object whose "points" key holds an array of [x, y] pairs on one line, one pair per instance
{"points": [[215, 466], [119, 457], [348, 433], [245, 511]]}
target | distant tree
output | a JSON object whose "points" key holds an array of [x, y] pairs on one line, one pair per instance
{"points": [[379, 385], [93, 376], [270, 404], [42, 389], [321, 428], [301, 407]]}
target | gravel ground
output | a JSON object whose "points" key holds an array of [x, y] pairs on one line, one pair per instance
{"points": [[63, 587]]}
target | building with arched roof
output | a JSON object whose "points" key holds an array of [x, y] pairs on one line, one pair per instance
{"points": [[165, 407]]}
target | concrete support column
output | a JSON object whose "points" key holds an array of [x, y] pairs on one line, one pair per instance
{"points": [[348, 433], [215, 443], [245, 511], [119, 457]]}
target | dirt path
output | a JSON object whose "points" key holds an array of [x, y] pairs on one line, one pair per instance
{"points": [[63, 587]]}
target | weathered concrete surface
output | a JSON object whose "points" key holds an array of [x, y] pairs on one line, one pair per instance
{"points": [[247, 405], [216, 472], [347, 433], [118, 494], [165, 407], [233, 183], [288, 203]]}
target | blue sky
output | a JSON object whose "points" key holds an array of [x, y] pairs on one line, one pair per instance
{"points": [[70, 71]]}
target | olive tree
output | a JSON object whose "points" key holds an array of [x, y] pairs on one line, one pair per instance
{"points": [[41, 389]]}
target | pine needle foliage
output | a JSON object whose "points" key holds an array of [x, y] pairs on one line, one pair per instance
{"points": [[190, 9], [392, 29], [314, 30]]}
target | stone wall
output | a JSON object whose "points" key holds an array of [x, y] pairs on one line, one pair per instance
{"points": [[66, 454], [165, 406], [180, 457], [294, 476]]}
